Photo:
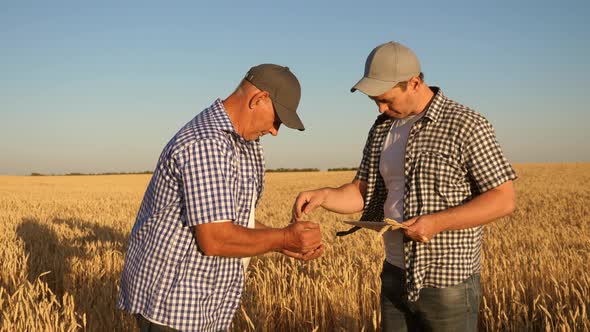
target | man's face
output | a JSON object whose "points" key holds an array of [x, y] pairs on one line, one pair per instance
{"points": [[396, 103], [264, 120]]}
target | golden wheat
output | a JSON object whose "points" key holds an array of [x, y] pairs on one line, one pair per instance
{"points": [[62, 241]]}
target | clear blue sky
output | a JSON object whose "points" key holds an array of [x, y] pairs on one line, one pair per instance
{"points": [[97, 87]]}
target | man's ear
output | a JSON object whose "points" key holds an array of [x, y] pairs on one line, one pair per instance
{"points": [[258, 99], [414, 83]]}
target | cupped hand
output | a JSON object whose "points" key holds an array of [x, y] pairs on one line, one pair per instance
{"points": [[302, 237], [312, 254]]}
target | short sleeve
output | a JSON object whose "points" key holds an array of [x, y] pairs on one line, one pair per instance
{"points": [[485, 161], [362, 172], [206, 179]]}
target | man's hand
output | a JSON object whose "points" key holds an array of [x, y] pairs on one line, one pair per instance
{"points": [[308, 201], [491, 205], [302, 237], [313, 254], [422, 228]]}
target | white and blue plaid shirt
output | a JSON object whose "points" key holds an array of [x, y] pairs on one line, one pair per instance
{"points": [[207, 172]]}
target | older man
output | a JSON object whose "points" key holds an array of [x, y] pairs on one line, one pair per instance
{"points": [[436, 165], [184, 268]]}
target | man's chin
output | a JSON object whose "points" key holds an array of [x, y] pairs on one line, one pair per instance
{"points": [[253, 138], [396, 115]]}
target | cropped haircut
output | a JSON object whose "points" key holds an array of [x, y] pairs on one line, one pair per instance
{"points": [[404, 85]]}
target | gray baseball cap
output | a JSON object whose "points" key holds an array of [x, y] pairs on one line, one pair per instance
{"points": [[387, 65], [284, 90]]}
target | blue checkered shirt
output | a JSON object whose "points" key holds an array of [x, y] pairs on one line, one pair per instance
{"points": [[207, 172]]}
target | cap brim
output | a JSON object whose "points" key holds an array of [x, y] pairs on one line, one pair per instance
{"points": [[289, 118], [372, 87]]}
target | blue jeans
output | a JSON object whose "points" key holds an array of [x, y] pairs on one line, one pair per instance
{"points": [[438, 309]]}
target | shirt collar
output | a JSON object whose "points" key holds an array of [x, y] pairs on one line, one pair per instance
{"points": [[219, 117], [222, 121], [435, 107], [436, 104]]}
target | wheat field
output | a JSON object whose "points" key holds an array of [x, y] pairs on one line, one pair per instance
{"points": [[63, 239]]}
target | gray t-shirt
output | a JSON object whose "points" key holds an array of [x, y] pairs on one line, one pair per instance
{"points": [[391, 167]]}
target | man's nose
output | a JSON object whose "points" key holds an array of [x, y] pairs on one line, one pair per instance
{"points": [[382, 107]]}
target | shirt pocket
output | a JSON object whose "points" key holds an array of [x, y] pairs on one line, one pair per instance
{"points": [[438, 179]]}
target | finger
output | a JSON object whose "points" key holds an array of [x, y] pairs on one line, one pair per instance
{"points": [[310, 206], [294, 211], [312, 237], [416, 237], [308, 255], [319, 252], [293, 254], [300, 203], [296, 214], [310, 244], [308, 248], [311, 225], [314, 254], [410, 234], [409, 222], [316, 238]]}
